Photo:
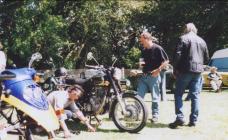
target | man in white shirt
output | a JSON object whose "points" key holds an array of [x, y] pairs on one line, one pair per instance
{"points": [[2, 58], [60, 100]]}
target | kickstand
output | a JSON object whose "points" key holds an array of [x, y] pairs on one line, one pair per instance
{"points": [[98, 120]]}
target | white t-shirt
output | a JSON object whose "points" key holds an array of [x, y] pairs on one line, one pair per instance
{"points": [[2, 61], [60, 100]]}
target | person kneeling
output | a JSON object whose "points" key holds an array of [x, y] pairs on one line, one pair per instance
{"points": [[61, 99]]}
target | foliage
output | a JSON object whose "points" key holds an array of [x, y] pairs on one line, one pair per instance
{"points": [[132, 56], [166, 19], [67, 30]]}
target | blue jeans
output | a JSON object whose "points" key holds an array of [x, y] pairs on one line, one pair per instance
{"points": [[149, 83], [194, 82], [68, 113]]}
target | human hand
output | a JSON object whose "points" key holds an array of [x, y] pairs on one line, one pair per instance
{"points": [[91, 129], [164, 64], [155, 72], [67, 134], [133, 73]]}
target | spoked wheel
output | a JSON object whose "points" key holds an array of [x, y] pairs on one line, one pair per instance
{"points": [[13, 117], [28, 134], [135, 118]]}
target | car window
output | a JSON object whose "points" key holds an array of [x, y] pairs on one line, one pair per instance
{"points": [[220, 63]]}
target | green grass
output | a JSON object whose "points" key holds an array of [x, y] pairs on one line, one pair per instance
{"points": [[212, 125]]}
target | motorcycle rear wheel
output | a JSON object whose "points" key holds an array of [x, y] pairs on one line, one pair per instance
{"points": [[136, 119]]}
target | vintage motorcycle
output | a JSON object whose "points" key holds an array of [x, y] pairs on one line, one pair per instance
{"points": [[23, 99], [103, 94]]}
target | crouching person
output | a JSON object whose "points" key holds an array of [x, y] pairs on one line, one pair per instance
{"points": [[64, 105], [215, 79]]}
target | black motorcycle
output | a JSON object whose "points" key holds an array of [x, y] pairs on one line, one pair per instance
{"points": [[103, 94]]}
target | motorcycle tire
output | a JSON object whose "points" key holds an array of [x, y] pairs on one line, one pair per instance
{"points": [[144, 110]]}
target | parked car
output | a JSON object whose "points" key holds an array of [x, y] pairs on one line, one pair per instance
{"points": [[219, 60]]}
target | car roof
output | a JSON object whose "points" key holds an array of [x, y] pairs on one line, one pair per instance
{"points": [[220, 53]]}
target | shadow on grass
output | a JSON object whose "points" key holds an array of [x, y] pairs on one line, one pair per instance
{"points": [[75, 126], [106, 119], [108, 130], [157, 125]]}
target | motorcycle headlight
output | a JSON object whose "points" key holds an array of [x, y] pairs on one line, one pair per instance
{"points": [[117, 74], [128, 83], [37, 79], [125, 84]]}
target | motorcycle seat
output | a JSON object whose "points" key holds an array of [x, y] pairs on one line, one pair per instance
{"points": [[7, 76]]}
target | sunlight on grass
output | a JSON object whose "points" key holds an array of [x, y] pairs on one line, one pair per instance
{"points": [[212, 125]]}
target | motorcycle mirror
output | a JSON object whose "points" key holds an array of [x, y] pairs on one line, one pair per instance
{"points": [[90, 56], [51, 60], [36, 56], [113, 58]]}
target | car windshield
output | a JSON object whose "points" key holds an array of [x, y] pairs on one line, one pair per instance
{"points": [[220, 63]]}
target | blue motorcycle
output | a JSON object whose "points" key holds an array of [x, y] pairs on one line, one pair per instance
{"points": [[22, 96]]}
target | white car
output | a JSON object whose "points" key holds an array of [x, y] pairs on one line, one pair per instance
{"points": [[220, 61]]}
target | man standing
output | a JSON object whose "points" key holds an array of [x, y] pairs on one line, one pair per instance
{"points": [[2, 58], [155, 60], [190, 55]]}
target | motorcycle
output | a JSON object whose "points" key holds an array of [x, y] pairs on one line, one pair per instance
{"points": [[103, 94], [22, 97], [50, 80]]}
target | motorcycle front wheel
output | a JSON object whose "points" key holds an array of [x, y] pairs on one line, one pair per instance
{"points": [[135, 118]]}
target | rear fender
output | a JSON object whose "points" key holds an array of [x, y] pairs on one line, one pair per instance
{"points": [[46, 118]]}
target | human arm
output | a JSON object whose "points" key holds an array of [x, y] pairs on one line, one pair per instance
{"points": [[156, 72], [206, 54], [177, 57], [57, 99], [65, 128], [219, 76], [3, 60], [163, 57], [84, 120]]}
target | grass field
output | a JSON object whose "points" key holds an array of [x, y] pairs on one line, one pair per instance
{"points": [[212, 125]]}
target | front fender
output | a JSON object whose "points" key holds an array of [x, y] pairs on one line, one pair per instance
{"points": [[127, 93]]}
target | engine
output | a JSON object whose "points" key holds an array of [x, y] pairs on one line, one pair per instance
{"points": [[95, 102]]}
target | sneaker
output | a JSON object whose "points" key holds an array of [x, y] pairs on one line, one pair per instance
{"points": [[176, 123], [154, 120], [192, 124]]}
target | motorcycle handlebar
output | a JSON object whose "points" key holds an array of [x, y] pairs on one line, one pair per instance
{"points": [[93, 67], [40, 73]]}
